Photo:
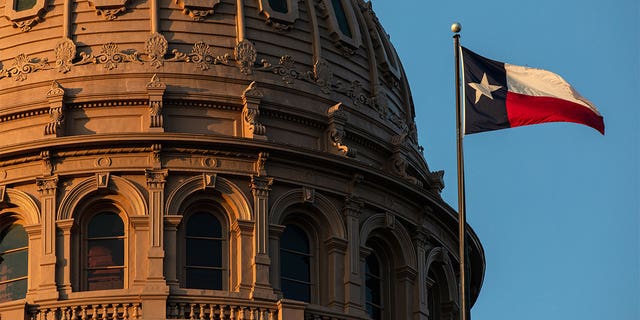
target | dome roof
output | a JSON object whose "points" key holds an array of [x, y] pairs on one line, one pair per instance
{"points": [[332, 55]]}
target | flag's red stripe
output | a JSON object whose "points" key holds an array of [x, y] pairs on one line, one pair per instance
{"points": [[524, 110]]}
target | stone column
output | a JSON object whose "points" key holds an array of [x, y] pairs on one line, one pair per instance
{"points": [[64, 256], [171, 224], [275, 230], [244, 271], [48, 186], [352, 275], [420, 308], [405, 277], [260, 187], [155, 183], [336, 249]]}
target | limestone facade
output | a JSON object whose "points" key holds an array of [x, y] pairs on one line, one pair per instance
{"points": [[267, 115]]}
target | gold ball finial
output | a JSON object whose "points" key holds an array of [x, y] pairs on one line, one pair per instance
{"points": [[456, 27]]}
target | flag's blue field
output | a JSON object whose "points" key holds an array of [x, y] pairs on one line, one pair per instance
{"points": [[555, 205]]}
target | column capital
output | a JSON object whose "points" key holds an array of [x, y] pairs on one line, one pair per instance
{"points": [[47, 185], [156, 178]]}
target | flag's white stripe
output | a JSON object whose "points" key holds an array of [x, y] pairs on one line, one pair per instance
{"points": [[542, 83]]}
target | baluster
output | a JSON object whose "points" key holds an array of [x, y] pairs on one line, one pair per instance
{"points": [[201, 316], [192, 312], [222, 310], [252, 312], [212, 311], [74, 313], [232, 312], [83, 312], [136, 311], [94, 312], [125, 311]]}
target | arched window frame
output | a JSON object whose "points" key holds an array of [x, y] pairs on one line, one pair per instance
{"points": [[311, 260], [352, 42], [24, 19], [87, 213], [280, 18], [381, 288], [6, 223], [218, 213]]}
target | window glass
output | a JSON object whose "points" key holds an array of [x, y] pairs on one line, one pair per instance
{"points": [[204, 256], [279, 5], [14, 255], [295, 271], [21, 5], [373, 288], [105, 252], [341, 16]]}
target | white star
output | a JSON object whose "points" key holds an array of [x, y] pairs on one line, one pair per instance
{"points": [[483, 88]]}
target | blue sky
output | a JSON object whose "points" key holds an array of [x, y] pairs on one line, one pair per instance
{"points": [[555, 205]]}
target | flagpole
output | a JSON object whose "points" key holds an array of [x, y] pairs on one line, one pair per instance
{"points": [[462, 220]]}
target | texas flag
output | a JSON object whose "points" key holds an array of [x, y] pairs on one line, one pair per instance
{"points": [[500, 95]]}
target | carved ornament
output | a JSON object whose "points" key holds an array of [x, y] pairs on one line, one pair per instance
{"points": [[25, 19], [109, 9], [336, 133], [246, 55], [22, 66], [65, 53], [198, 10]]}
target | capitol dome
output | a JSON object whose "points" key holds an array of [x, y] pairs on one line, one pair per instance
{"points": [[216, 159]]}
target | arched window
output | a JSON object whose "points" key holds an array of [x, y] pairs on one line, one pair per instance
{"points": [[295, 264], [14, 252], [341, 16], [279, 5], [204, 262], [21, 5], [105, 247], [373, 287]]}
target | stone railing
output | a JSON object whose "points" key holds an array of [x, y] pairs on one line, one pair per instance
{"points": [[101, 311], [220, 310]]}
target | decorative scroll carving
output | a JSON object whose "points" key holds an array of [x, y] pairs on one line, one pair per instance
{"points": [[251, 98], [198, 10], [55, 95], [308, 195], [261, 164], [436, 180], [246, 55], [110, 56], [24, 65], [202, 56], [155, 90], [109, 9], [336, 133], [154, 157], [398, 162], [25, 19], [47, 162], [65, 53], [286, 70], [323, 75]]}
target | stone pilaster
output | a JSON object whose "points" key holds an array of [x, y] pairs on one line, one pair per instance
{"points": [[48, 187], [64, 256], [260, 187], [336, 249], [156, 180], [155, 91], [171, 224], [352, 277], [420, 311]]}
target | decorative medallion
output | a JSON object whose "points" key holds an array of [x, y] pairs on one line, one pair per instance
{"points": [[156, 48], [323, 75], [246, 55], [198, 10], [65, 53]]}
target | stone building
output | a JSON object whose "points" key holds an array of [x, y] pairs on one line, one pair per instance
{"points": [[215, 159]]}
